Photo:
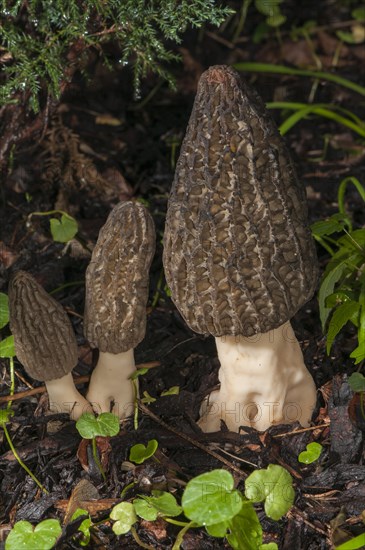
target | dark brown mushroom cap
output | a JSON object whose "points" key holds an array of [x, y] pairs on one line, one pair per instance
{"points": [[238, 255], [44, 339], [117, 279]]}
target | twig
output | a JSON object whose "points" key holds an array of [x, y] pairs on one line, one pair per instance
{"points": [[310, 429], [197, 444]]}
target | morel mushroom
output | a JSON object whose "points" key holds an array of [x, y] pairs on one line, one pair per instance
{"points": [[115, 304], [239, 257], [45, 343]]}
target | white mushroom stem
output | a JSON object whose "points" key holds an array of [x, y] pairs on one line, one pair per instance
{"points": [[110, 384], [264, 381], [64, 397]]}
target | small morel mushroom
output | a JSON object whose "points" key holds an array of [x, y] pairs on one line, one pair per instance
{"points": [[45, 343], [115, 304], [239, 257]]}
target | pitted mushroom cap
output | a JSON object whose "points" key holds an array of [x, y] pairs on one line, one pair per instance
{"points": [[44, 340], [117, 279], [238, 255]]}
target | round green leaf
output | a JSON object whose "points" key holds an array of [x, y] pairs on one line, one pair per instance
{"points": [[7, 348], [245, 528], [165, 503], [312, 453], [274, 486], [144, 509], [276, 20], [42, 537], [139, 453], [210, 498], [63, 230], [357, 382], [124, 516], [90, 426], [4, 309]]}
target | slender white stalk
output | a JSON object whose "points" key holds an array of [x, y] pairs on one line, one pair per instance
{"points": [[65, 398], [110, 383], [264, 381]]}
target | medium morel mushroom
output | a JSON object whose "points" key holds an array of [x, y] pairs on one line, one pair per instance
{"points": [[239, 257], [115, 305], [45, 343]]}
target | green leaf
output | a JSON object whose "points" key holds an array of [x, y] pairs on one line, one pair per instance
{"points": [[124, 516], [218, 530], [353, 544], [246, 530], [42, 537], [90, 426], [340, 297], [210, 498], [346, 36], [276, 20], [274, 486], [4, 309], [358, 13], [268, 7], [148, 398], [7, 348], [164, 503], [137, 373], [269, 546], [139, 453], [358, 353], [357, 382], [5, 415], [312, 453], [334, 224], [174, 390], [85, 526], [344, 313], [145, 510], [63, 230], [327, 287]]}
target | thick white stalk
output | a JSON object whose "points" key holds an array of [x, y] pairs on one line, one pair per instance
{"points": [[264, 381], [110, 383], [65, 398]]}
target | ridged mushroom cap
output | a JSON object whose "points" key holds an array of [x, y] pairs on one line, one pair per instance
{"points": [[238, 255], [44, 340], [117, 279]]}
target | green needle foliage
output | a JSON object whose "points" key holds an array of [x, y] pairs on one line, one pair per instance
{"points": [[43, 42]]}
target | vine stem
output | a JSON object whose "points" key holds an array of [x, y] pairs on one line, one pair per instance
{"points": [[24, 466], [96, 458]]}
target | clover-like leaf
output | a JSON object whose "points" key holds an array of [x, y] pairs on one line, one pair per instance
{"points": [[311, 454], [139, 453], [7, 348], [274, 486], [144, 509], [41, 537], [124, 516], [63, 230], [210, 498], [84, 528], [90, 426]]}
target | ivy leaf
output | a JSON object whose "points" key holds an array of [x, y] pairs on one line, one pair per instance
{"points": [[43, 536], [4, 309], [139, 453], [124, 516], [210, 498], [7, 348], [348, 311], [274, 486], [63, 230], [90, 426], [246, 530], [311, 454], [357, 382]]}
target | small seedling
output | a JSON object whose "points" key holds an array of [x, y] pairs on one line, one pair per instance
{"points": [[63, 229], [174, 390], [41, 537], [85, 526], [139, 453], [7, 349], [134, 379], [311, 454], [124, 516], [104, 425]]}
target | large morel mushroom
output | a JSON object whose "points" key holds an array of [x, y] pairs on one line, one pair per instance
{"points": [[117, 281], [239, 257], [45, 343]]}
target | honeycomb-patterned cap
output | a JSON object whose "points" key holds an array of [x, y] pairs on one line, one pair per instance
{"points": [[117, 279], [44, 340], [238, 254]]}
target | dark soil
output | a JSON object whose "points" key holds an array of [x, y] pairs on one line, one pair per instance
{"points": [[124, 148]]}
